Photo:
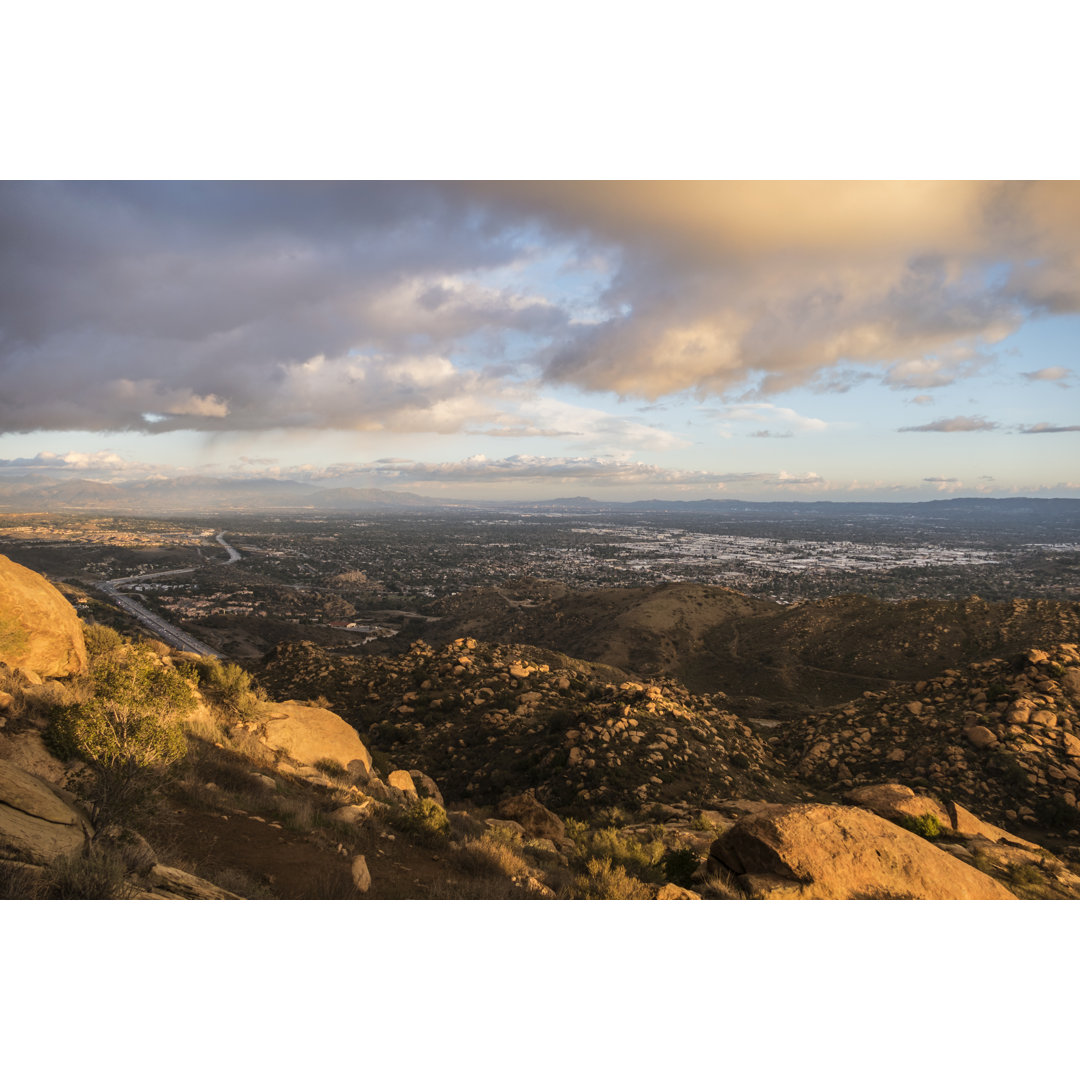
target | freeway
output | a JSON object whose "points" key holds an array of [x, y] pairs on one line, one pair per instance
{"points": [[171, 635]]}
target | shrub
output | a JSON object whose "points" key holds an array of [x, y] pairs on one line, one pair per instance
{"points": [[604, 881], [641, 857], [425, 821], [925, 825], [680, 866], [127, 732], [229, 687], [101, 640]]}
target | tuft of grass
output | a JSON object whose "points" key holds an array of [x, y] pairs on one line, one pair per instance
{"points": [[721, 886], [334, 769], [99, 875], [19, 882], [488, 857]]}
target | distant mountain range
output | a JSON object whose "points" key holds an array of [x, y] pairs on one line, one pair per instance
{"points": [[192, 494], [164, 495]]}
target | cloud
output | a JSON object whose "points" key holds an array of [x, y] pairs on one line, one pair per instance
{"points": [[926, 372], [943, 479], [164, 306], [757, 412], [921, 399], [957, 423], [98, 462], [1048, 429], [764, 433], [1059, 375]]}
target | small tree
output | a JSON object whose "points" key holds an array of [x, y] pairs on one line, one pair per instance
{"points": [[128, 732]]}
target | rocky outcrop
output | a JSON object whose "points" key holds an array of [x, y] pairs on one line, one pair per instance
{"points": [[814, 852], [1003, 735], [37, 825], [39, 630], [308, 735]]}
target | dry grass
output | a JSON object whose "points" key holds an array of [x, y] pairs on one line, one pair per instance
{"points": [[721, 886], [100, 875], [602, 880], [488, 857], [18, 882]]}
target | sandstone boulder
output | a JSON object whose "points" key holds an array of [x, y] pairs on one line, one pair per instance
{"points": [[536, 818], [846, 853], [894, 801], [37, 825], [676, 892], [966, 823], [39, 630], [308, 734]]}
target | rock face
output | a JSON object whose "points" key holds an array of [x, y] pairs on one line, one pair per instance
{"points": [[39, 630], [36, 824], [844, 853], [308, 735]]}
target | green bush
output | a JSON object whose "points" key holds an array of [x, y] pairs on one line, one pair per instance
{"points": [[425, 821], [101, 640], [127, 732], [229, 687], [925, 825], [680, 866]]}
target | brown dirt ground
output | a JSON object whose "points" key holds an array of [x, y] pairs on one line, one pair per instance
{"points": [[294, 866]]}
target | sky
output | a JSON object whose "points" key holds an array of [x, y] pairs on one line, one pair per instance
{"points": [[620, 340]]}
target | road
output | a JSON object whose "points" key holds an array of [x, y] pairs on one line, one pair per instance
{"points": [[234, 555], [171, 635]]}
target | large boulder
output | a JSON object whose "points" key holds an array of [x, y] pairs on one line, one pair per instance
{"points": [[37, 825], [39, 630], [308, 735], [813, 852]]}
